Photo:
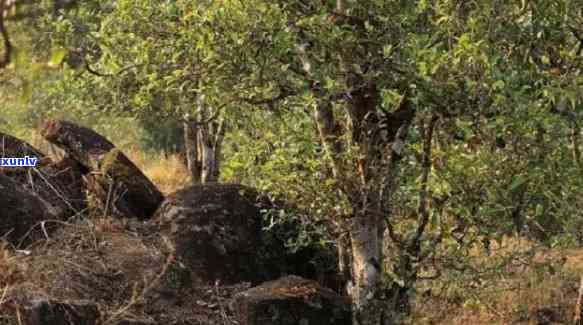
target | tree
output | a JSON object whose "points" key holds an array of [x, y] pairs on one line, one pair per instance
{"points": [[329, 59], [153, 73], [203, 141], [415, 101], [352, 62], [4, 11]]}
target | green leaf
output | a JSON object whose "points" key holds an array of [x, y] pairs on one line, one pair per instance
{"points": [[57, 56], [518, 181], [539, 210], [26, 92], [387, 50], [498, 85]]}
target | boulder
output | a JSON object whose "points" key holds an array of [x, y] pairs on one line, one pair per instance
{"points": [[11, 147], [112, 177], [291, 300], [21, 210], [216, 231], [58, 183], [221, 232]]}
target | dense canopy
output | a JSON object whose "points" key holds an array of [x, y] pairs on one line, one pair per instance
{"points": [[418, 136]]}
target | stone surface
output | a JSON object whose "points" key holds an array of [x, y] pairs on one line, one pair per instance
{"points": [[112, 177], [22, 211], [215, 230], [221, 233], [291, 300], [12, 147], [58, 183]]}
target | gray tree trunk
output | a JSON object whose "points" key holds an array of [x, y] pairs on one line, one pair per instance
{"points": [[193, 162], [366, 254], [203, 139], [363, 182]]}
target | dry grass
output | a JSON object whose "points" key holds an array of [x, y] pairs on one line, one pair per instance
{"points": [[543, 291], [9, 273], [167, 171], [100, 260], [126, 268]]}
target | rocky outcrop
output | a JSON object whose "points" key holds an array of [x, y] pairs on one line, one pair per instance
{"points": [[31, 195], [206, 244], [113, 178], [215, 229], [58, 183], [22, 210], [291, 300], [11, 147]]}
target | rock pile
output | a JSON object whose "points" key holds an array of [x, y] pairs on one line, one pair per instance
{"points": [[189, 258]]}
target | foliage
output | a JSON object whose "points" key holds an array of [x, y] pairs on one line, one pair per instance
{"points": [[501, 78]]}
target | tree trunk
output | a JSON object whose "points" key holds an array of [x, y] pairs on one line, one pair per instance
{"points": [[208, 157], [218, 147], [191, 150], [364, 184], [203, 151], [203, 141], [344, 262], [575, 133], [366, 254]]}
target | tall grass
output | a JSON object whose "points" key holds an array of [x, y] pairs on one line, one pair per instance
{"points": [[167, 171]]}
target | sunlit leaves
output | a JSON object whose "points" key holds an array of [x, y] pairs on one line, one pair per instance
{"points": [[57, 56], [491, 71]]}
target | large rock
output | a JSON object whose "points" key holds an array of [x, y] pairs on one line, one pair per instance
{"points": [[221, 232], [11, 147], [215, 229], [291, 300], [22, 212], [113, 178], [58, 183]]}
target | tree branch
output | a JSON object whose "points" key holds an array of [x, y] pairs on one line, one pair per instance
{"points": [[326, 123], [99, 74], [7, 44], [284, 92], [422, 211], [217, 113]]}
